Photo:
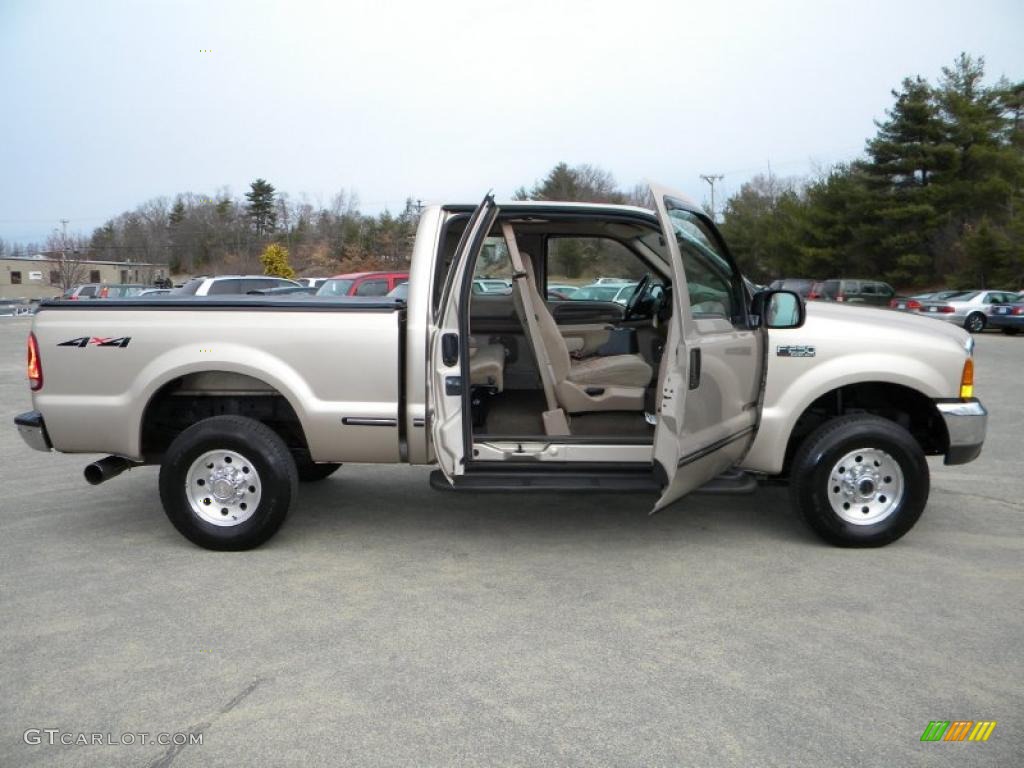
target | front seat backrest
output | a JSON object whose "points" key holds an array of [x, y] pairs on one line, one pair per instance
{"points": [[551, 338]]}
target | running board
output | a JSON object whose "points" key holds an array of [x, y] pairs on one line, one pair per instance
{"points": [[732, 482], [549, 482]]}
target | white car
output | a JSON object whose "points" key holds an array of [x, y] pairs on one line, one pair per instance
{"points": [[968, 309], [231, 285]]}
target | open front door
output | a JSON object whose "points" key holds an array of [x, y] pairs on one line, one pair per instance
{"points": [[448, 385], [709, 398]]}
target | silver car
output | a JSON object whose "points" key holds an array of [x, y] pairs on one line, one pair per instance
{"points": [[968, 309]]}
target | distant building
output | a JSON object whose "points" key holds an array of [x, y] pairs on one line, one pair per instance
{"points": [[43, 274]]}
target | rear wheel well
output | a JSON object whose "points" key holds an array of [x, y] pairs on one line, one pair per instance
{"points": [[188, 399], [907, 407]]}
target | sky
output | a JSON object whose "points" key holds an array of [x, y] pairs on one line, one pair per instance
{"points": [[108, 104]]}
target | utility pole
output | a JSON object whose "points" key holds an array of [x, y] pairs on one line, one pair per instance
{"points": [[64, 238], [711, 178]]}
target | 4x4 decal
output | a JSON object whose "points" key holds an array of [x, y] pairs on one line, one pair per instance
{"points": [[96, 341]]}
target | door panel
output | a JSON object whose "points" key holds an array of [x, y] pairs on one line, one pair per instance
{"points": [[714, 362], [448, 382]]}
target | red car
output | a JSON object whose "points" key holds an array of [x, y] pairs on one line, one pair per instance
{"points": [[362, 284]]}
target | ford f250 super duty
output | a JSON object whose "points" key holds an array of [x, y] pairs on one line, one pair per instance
{"points": [[699, 381]]}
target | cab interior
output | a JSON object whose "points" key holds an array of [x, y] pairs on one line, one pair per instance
{"points": [[600, 291]]}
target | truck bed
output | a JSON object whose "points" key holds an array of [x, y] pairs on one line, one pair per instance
{"points": [[335, 360]]}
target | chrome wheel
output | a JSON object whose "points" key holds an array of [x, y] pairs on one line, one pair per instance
{"points": [[865, 486], [223, 488], [975, 323]]}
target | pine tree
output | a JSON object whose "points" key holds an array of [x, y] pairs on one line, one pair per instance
{"points": [[261, 207]]}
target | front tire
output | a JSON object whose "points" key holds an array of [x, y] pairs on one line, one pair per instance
{"points": [[227, 482], [860, 481], [975, 322]]}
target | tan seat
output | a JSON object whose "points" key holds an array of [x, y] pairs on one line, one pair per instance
{"points": [[616, 382], [487, 365]]}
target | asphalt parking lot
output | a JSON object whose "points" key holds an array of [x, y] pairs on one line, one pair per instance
{"points": [[388, 624]]}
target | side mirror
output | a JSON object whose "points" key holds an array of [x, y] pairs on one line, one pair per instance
{"points": [[779, 309]]}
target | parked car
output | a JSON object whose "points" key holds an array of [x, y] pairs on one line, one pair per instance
{"points": [[618, 293], [798, 285], [913, 303], [492, 285], [561, 291], [283, 290], [362, 284], [84, 291], [119, 291], [16, 307], [1009, 318], [969, 309], [155, 292], [312, 282], [870, 292], [237, 404], [230, 285]]}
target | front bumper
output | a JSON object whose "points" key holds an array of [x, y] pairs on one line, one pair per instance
{"points": [[33, 431], [966, 422]]}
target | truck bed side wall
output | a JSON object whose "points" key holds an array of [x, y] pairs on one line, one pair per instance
{"points": [[332, 366]]}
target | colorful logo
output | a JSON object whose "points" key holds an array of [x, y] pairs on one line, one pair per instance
{"points": [[958, 730]]}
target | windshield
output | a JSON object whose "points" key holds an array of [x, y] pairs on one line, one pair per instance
{"points": [[335, 288], [596, 293]]}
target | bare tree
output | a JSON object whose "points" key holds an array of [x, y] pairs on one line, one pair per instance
{"points": [[68, 254]]}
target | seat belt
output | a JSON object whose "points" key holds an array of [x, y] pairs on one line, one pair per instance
{"points": [[555, 421]]}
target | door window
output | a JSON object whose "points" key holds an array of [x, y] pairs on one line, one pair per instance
{"points": [[714, 284], [591, 269], [224, 287], [372, 288]]}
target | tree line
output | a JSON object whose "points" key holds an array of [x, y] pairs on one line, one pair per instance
{"points": [[937, 198]]}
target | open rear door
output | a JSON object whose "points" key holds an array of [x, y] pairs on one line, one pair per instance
{"points": [[709, 397], [449, 349]]}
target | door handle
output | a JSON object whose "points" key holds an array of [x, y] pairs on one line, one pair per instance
{"points": [[450, 349], [694, 367]]}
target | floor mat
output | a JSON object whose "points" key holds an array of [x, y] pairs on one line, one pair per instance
{"points": [[517, 412]]}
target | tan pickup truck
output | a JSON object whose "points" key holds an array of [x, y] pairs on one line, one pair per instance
{"points": [[696, 382]]}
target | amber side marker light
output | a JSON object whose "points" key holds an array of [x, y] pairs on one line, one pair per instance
{"points": [[967, 380], [35, 368]]}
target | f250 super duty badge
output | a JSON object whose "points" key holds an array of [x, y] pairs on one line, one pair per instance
{"points": [[96, 341], [795, 350]]}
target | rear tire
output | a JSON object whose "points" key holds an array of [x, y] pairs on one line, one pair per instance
{"points": [[311, 472], [227, 482], [975, 322], [860, 481]]}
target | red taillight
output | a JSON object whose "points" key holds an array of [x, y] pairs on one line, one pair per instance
{"points": [[35, 368], [893, 303], [913, 305], [1018, 311], [947, 310]]}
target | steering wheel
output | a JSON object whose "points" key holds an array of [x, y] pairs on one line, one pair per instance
{"points": [[637, 297]]}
